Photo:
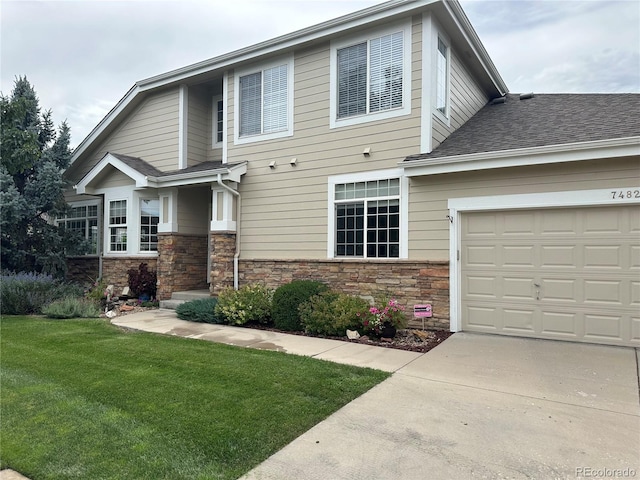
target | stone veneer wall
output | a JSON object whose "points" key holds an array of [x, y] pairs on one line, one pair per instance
{"points": [[410, 282], [223, 248], [83, 270], [182, 263], [114, 269]]}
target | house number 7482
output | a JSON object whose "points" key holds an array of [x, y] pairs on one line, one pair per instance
{"points": [[624, 194]]}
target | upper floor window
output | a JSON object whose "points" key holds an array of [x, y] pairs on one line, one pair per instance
{"points": [[218, 121], [265, 99], [442, 78], [84, 221], [370, 77]]}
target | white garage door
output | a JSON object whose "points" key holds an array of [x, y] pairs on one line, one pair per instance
{"points": [[567, 274]]}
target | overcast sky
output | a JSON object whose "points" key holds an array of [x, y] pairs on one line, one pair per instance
{"points": [[83, 56]]}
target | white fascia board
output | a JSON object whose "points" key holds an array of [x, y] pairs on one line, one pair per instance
{"points": [[570, 152], [464, 25], [330, 27], [83, 185], [105, 122], [233, 174]]}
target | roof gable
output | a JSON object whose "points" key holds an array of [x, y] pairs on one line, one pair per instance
{"points": [[449, 10], [146, 175]]}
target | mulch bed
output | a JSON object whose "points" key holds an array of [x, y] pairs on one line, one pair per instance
{"points": [[412, 340]]}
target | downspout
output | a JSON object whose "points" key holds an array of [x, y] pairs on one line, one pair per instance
{"points": [[238, 210]]}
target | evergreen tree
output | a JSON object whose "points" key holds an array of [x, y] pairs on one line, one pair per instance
{"points": [[34, 157]]}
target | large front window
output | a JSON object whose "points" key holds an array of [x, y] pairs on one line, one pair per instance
{"points": [[370, 76], [367, 218], [118, 226], [84, 221], [149, 218], [264, 101]]}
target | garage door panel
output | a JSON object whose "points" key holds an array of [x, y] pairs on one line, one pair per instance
{"points": [[603, 221], [558, 256], [517, 321], [482, 256], [634, 254], [563, 290], [558, 222], [559, 323], [602, 327], [603, 292], [518, 255], [518, 288], [483, 318], [518, 223], [481, 287], [482, 225], [586, 262], [634, 294], [635, 330], [602, 256]]}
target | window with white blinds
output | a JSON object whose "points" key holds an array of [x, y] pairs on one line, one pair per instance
{"points": [[370, 76], [264, 101]]}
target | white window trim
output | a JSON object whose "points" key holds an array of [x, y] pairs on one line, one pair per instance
{"points": [[367, 177], [86, 203], [107, 225], [139, 221], [334, 121], [438, 33], [458, 206], [133, 221], [288, 132], [214, 122]]}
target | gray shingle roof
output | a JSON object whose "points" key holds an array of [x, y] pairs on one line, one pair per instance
{"points": [[545, 119], [149, 170]]}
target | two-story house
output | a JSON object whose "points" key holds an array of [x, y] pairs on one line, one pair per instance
{"points": [[379, 152]]}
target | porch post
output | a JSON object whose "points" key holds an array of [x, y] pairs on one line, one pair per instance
{"points": [[223, 230]]}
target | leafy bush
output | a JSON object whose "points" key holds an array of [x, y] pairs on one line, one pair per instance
{"points": [[251, 303], [143, 281], [391, 313], [332, 313], [97, 292], [287, 300], [26, 293], [201, 310], [72, 307]]}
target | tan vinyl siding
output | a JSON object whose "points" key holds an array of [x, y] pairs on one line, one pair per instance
{"points": [[150, 132], [429, 228], [284, 211], [71, 196], [193, 210], [112, 177], [466, 98], [198, 125]]}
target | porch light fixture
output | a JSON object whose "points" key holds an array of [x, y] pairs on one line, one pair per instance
{"points": [[272, 165]]}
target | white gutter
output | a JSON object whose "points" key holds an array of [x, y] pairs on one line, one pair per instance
{"points": [[238, 211]]}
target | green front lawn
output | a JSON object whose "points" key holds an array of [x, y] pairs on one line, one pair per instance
{"points": [[84, 399]]}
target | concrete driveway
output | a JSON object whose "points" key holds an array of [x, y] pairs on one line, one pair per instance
{"points": [[481, 406]]}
